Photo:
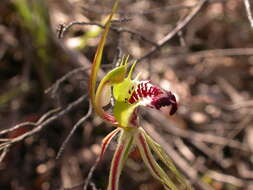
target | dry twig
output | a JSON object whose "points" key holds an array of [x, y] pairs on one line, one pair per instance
{"points": [[248, 11], [192, 135], [54, 88], [42, 122], [73, 130], [64, 28], [175, 31]]}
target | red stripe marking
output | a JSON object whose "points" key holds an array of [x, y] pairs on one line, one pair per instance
{"points": [[116, 165], [106, 142], [143, 143]]}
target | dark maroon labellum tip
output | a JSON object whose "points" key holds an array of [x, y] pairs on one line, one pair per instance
{"points": [[165, 100]]}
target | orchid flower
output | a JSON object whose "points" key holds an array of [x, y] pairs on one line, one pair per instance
{"points": [[128, 95]]}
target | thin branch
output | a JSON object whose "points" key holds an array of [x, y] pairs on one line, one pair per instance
{"points": [[248, 11], [42, 118], [218, 53], [87, 181], [16, 127], [72, 131], [3, 154], [93, 186], [174, 32], [192, 135], [73, 187], [64, 28], [54, 88], [40, 126], [148, 11], [144, 12], [226, 178]]}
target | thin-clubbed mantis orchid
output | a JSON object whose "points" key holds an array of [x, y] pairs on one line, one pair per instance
{"points": [[128, 95]]}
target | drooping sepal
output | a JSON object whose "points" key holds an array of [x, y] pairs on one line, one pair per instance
{"points": [[106, 141], [158, 150], [124, 146], [149, 160], [94, 70]]}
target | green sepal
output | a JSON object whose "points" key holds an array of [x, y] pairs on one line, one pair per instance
{"points": [[122, 91], [167, 161]]}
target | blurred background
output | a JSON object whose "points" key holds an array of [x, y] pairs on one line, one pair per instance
{"points": [[208, 65]]}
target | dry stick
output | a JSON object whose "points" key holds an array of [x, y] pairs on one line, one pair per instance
{"points": [[192, 135], [209, 152], [64, 28], [57, 84], [248, 11], [237, 129], [16, 127], [93, 186], [3, 154], [217, 53], [226, 178], [72, 131], [87, 181], [74, 187], [42, 118], [174, 32], [151, 11], [234, 95], [184, 149], [44, 123]]}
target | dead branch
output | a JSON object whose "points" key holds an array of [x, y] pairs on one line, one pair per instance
{"points": [[248, 11], [54, 88], [84, 118], [219, 53], [62, 29], [42, 122], [192, 135], [175, 31]]}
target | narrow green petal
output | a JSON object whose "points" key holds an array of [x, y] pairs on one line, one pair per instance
{"points": [[106, 141], [97, 59], [151, 163], [123, 148], [167, 161]]}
